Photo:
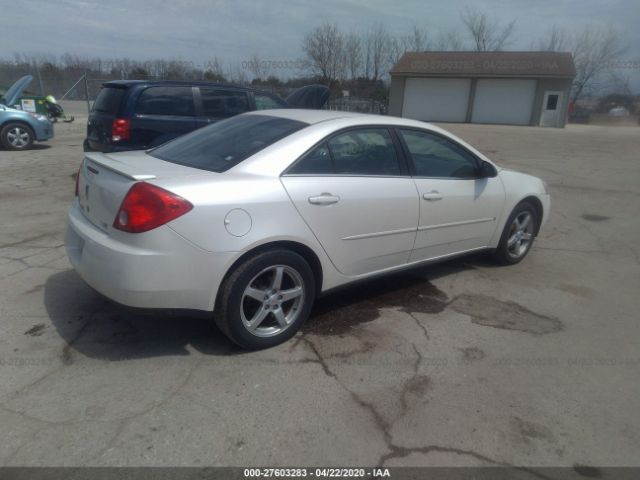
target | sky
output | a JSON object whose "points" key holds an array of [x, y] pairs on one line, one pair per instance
{"points": [[234, 30]]}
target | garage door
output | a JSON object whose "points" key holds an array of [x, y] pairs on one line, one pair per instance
{"points": [[436, 99], [504, 101]]}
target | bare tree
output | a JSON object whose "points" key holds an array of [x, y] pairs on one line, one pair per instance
{"points": [[556, 40], [396, 47], [446, 41], [236, 74], [214, 71], [325, 49], [377, 44], [487, 35], [353, 54], [594, 51], [416, 41], [258, 68]]}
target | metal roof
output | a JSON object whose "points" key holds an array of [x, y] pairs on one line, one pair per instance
{"points": [[486, 64]]}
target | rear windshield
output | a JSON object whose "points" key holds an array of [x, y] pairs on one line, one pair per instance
{"points": [[108, 100], [225, 144]]}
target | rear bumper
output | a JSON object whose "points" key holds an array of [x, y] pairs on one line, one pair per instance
{"points": [[163, 271]]}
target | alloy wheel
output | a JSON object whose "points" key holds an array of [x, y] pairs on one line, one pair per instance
{"points": [[520, 234], [18, 137], [272, 301]]}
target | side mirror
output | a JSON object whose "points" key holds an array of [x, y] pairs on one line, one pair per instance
{"points": [[487, 170]]}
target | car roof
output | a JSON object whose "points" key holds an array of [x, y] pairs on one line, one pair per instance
{"points": [[154, 83], [316, 116]]}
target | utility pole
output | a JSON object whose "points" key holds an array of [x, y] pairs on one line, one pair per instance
{"points": [[86, 92], [40, 80]]}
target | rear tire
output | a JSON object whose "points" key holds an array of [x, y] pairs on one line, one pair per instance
{"points": [[16, 136], [518, 234], [266, 299]]}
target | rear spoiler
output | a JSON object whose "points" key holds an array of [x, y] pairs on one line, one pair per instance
{"points": [[117, 166]]}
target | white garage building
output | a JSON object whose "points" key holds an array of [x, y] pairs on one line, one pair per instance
{"points": [[515, 88]]}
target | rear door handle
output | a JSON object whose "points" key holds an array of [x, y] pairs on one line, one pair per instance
{"points": [[324, 199], [432, 196]]}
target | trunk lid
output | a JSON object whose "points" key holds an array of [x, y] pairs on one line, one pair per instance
{"points": [[105, 179]]}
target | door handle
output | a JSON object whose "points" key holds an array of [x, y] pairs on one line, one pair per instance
{"points": [[324, 199], [432, 196]]}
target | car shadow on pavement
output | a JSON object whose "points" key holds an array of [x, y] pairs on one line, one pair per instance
{"points": [[94, 326], [40, 146]]}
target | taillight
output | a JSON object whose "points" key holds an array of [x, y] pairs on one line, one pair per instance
{"points": [[146, 207], [120, 129]]}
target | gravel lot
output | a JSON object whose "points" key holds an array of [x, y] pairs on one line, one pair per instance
{"points": [[462, 363]]}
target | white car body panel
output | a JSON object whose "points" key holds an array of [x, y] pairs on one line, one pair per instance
{"points": [[463, 215], [381, 224], [360, 233]]}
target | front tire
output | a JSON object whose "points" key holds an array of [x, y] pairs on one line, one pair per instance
{"points": [[518, 234], [266, 299], [16, 136]]}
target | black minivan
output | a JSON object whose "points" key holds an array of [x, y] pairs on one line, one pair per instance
{"points": [[139, 114]]}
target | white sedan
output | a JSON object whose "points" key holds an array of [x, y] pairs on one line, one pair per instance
{"points": [[255, 216]]}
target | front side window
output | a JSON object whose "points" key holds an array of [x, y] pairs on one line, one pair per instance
{"points": [[226, 143], [218, 103], [437, 157], [266, 102], [365, 151], [177, 101]]}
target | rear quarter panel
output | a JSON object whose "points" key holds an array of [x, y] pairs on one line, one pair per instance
{"points": [[272, 216]]}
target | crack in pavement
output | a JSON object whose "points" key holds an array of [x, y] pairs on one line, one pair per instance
{"points": [[23, 444], [65, 357], [379, 420], [125, 421], [397, 451], [400, 452], [421, 326], [30, 239], [384, 426]]}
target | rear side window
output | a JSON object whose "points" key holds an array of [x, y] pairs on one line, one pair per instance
{"points": [[176, 101], [108, 100], [218, 103], [365, 151], [265, 102], [227, 143]]}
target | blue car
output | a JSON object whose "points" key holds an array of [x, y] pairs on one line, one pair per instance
{"points": [[19, 129], [137, 114]]}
